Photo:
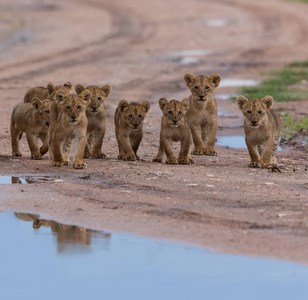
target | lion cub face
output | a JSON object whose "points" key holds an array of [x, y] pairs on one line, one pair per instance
{"points": [[134, 113], [72, 106], [174, 111], [98, 98], [42, 109], [254, 110], [201, 86]]}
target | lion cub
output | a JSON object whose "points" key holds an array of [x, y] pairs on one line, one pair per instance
{"points": [[96, 114], [71, 124], [48, 92], [33, 119], [174, 128], [128, 121], [262, 128], [202, 113]]}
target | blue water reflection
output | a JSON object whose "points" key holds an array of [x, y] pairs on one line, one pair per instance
{"points": [[96, 265]]}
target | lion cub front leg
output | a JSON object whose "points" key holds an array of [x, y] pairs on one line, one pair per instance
{"points": [[57, 155], [98, 137], [125, 150], [254, 155], [66, 150], [45, 140], [80, 143], [266, 155], [209, 138], [160, 153], [196, 135], [184, 157], [32, 142], [171, 158]]}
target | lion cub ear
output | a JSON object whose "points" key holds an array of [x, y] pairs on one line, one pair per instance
{"points": [[215, 79], [241, 102], [36, 102], [189, 79], [122, 104], [85, 96], [60, 97], [146, 104], [162, 103], [79, 88], [268, 102], [68, 85], [106, 89], [185, 103], [50, 88]]}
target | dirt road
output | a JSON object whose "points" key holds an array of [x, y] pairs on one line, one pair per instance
{"points": [[143, 49]]}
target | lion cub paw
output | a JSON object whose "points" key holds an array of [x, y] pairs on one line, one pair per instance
{"points": [[66, 163], [57, 163], [79, 165], [198, 151], [129, 157], [191, 160], [17, 154], [210, 152], [266, 165], [99, 155], [254, 165], [36, 156], [157, 159], [172, 161], [184, 160]]}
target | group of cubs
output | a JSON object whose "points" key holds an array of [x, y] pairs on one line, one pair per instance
{"points": [[58, 118]]}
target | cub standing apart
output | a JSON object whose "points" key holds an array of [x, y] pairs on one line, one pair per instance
{"points": [[71, 124], [202, 113], [128, 121], [262, 128], [96, 114], [174, 128], [48, 92], [33, 119]]}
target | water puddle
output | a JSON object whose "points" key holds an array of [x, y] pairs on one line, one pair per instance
{"points": [[5, 179], [59, 261], [232, 82], [235, 141], [213, 22], [224, 96]]}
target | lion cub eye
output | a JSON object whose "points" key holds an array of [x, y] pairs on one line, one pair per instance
{"points": [[78, 107], [207, 87], [196, 87], [140, 116], [180, 112], [131, 116], [68, 107], [249, 112], [47, 111], [99, 98], [170, 112], [259, 112]]}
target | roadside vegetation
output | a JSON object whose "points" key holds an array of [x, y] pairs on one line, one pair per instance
{"points": [[288, 84], [290, 125]]}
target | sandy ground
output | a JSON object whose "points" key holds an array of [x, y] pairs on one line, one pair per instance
{"points": [[143, 49]]}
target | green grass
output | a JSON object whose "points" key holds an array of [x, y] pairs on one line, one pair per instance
{"points": [[281, 84], [289, 125]]}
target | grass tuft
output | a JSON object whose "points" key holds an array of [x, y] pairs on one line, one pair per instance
{"points": [[289, 125]]}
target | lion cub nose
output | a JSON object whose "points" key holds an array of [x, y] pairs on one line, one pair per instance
{"points": [[175, 121], [73, 118], [201, 97], [253, 122]]}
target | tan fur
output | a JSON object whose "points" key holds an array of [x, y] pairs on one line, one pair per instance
{"points": [[70, 124], [48, 92], [262, 128], [202, 113], [174, 128], [33, 119], [96, 114], [128, 121]]}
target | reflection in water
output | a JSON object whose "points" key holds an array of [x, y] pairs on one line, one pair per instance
{"points": [[5, 179], [69, 237]]}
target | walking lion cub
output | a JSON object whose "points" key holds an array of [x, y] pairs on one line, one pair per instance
{"points": [[174, 128], [262, 128], [70, 123], [128, 122], [33, 119]]}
